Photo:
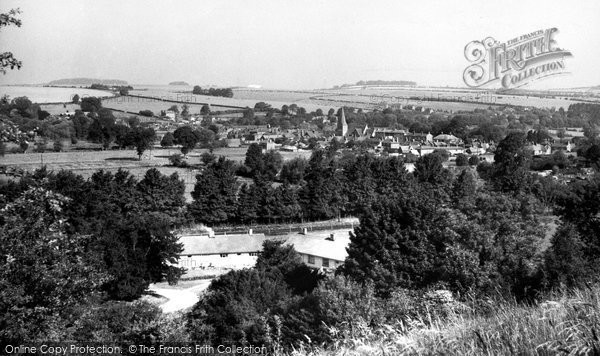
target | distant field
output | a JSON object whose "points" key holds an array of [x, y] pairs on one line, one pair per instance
{"points": [[38, 94], [241, 97], [369, 98], [485, 97], [85, 163]]}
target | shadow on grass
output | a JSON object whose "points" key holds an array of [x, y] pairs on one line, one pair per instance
{"points": [[122, 159], [152, 294]]}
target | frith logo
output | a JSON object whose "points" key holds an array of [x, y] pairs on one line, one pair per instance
{"points": [[515, 63]]}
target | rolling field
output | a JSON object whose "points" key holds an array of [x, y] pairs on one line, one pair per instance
{"points": [[85, 163]]}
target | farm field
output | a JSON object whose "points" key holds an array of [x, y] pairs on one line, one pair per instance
{"points": [[133, 104], [241, 97], [39, 94], [56, 109], [85, 163]]}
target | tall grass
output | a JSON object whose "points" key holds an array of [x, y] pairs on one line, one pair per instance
{"points": [[563, 323]]}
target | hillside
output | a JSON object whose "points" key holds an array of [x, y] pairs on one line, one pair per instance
{"points": [[87, 82], [178, 83]]}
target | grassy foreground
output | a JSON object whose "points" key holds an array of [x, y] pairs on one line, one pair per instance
{"points": [[566, 323]]}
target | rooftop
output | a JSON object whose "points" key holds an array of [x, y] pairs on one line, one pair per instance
{"points": [[316, 243], [205, 245]]}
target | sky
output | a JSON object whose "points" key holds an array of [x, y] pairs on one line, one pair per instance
{"points": [[284, 44]]}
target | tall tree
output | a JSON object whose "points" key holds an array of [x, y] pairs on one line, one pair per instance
{"points": [[215, 193], [187, 137], [511, 164], [142, 139], [254, 158]]}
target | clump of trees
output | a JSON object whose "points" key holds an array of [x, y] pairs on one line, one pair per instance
{"points": [[189, 138], [68, 245], [225, 92], [102, 128]]}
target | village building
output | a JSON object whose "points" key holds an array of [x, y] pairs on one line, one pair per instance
{"points": [[540, 149], [220, 251], [171, 115], [389, 134], [324, 249], [447, 139], [418, 137]]}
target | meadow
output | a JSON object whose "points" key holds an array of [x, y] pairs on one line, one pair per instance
{"points": [[86, 163]]}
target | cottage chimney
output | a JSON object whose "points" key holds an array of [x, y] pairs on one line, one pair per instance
{"points": [[249, 231]]}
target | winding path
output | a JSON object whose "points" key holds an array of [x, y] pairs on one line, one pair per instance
{"points": [[180, 299]]}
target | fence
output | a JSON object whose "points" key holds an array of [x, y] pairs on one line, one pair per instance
{"points": [[277, 229]]}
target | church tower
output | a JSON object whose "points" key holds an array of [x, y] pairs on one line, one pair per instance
{"points": [[342, 125]]}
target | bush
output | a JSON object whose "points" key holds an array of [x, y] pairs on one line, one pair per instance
{"points": [[177, 160], [147, 113], [58, 146], [137, 322], [462, 160], [40, 146], [473, 161], [167, 140]]}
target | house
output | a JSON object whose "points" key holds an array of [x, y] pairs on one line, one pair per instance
{"points": [[454, 150], [171, 115], [425, 150], [540, 149], [447, 139], [321, 249], [220, 251], [387, 134], [391, 146], [419, 137], [268, 145]]}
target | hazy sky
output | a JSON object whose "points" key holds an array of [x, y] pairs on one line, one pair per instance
{"points": [[284, 44]]}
